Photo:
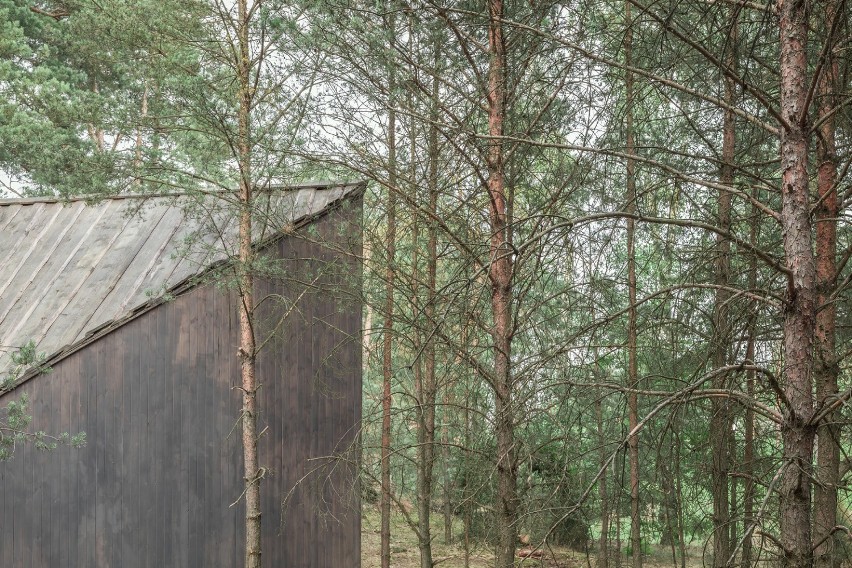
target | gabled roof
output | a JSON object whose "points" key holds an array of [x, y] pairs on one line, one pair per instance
{"points": [[71, 270]]}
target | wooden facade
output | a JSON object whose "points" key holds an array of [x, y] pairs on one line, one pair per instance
{"points": [[155, 483]]}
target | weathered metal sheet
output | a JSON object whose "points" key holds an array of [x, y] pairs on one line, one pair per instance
{"points": [[70, 268]]}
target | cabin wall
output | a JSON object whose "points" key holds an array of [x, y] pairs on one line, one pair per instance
{"points": [[154, 485]]}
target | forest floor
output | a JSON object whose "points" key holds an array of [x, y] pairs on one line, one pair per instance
{"points": [[405, 554]]}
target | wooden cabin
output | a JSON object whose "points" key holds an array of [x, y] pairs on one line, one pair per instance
{"points": [[131, 301]]}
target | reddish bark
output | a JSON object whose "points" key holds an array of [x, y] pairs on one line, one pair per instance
{"points": [[800, 307], [825, 367], [247, 350], [500, 275], [387, 366]]}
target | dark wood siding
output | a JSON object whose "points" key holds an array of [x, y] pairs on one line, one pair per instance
{"points": [[154, 485]]}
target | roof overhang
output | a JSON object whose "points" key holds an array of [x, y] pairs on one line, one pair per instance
{"points": [[74, 270]]}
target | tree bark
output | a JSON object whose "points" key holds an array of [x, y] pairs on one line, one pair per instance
{"points": [[720, 420], [825, 365], [426, 390], [500, 276], [603, 542], [748, 434], [387, 362], [448, 487], [466, 493], [632, 365], [681, 537], [797, 432], [252, 472], [137, 149]]}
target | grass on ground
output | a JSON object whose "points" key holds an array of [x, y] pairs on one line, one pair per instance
{"points": [[405, 553]]}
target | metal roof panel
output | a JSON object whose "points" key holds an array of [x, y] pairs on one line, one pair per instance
{"points": [[71, 268]]}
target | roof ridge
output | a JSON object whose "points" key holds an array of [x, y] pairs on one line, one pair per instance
{"points": [[101, 309], [319, 184]]}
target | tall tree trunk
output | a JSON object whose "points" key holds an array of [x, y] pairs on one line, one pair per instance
{"points": [[500, 275], [632, 365], [797, 433], [424, 537], [603, 542], [426, 392], [466, 493], [445, 450], [825, 369], [369, 311], [748, 434], [748, 461], [720, 420], [387, 362], [618, 562], [252, 472], [678, 480]]}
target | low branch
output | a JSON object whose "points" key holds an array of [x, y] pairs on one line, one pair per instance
{"points": [[57, 14]]}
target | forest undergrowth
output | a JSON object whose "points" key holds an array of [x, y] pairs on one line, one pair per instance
{"points": [[405, 554]]}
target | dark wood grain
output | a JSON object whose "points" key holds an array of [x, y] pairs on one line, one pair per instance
{"points": [[154, 484]]}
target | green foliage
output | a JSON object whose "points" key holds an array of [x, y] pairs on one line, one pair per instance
{"points": [[46, 103], [14, 418]]}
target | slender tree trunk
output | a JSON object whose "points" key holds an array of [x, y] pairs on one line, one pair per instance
{"points": [[468, 498], [825, 368], [748, 434], [733, 525], [416, 278], [797, 433], [748, 468], [445, 449], [632, 365], [369, 311], [137, 150], [96, 133], [500, 275], [387, 362], [426, 393], [720, 420], [678, 482], [424, 535], [618, 560], [603, 542], [252, 471], [448, 392]]}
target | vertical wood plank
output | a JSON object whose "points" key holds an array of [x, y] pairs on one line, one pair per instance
{"points": [[153, 485]]}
